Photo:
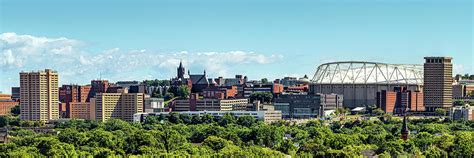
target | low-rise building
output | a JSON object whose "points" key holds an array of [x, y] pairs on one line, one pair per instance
{"points": [[274, 88], [6, 107], [194, 103], [463, 89], [462, 113], [154, 105], [222, 92], [267, 116]]}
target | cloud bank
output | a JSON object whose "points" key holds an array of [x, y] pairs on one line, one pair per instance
{"points": [[77, 65]]}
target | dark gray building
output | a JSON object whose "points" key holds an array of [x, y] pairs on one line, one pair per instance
{"points": [[15, 93], [303, 106]]}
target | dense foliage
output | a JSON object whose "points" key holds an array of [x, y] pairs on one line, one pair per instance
{"points": [[182, 135], [263, 97]]}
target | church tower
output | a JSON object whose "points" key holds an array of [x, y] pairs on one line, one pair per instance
{"points": [[181, 71]]}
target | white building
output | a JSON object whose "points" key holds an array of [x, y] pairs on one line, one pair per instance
{"points": [[267, 116]]}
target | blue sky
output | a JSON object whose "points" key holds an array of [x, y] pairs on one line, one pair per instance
{"points": [[145, 39]]}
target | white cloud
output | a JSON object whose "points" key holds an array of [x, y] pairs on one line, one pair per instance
{"points": [[75, 65]]}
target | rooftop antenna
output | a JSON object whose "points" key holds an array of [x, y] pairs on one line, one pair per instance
{"points": [[100, 75]]}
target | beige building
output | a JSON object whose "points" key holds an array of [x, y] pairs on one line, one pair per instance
{"points": [[39, 95], [438, 89], [118, 106], [210, 105], [82, 110]]}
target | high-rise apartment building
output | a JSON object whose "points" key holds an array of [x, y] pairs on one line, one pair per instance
{"points": [[437, 89], [39, 95], [118, 106]]}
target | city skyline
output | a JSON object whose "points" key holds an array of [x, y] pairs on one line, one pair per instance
{"points": [[147, 40]]}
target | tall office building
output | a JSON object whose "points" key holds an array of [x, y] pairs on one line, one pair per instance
{"points": [[39, 95], [438, 90], [118, 106]]}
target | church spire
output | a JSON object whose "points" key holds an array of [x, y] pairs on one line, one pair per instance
{"points": [[405, 132], [181, 70]]}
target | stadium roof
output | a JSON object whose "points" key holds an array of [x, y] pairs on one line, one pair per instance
{"points": [[361, 72]]}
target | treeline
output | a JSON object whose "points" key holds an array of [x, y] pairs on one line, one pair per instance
{"points": [[182, 135], [156, 82]]}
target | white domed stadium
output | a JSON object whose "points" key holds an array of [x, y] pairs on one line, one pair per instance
{"points": [[359, 81]]}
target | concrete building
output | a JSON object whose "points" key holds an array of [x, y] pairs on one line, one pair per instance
{"points": [[209, 104], [39, 95], [154, 105], [463, 90], [127, 84], [438, 79], [274, 88], [239, 80], [304, 106], [118, 106], [266, 116], [462, 113]]}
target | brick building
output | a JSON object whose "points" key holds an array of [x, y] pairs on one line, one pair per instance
{"points": [[72, 94], [400, 99], [223, 92], [6, 104]]}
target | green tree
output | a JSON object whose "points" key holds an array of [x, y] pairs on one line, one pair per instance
{"points": [[4, 121], [423, 140], [174, 117], [227, 119], [15, 110], [440, 111], [261, 96], [464, 141], [458, 103], [139, 139], [183, 91], [247, 121], [196, 119], [207, 118], [378, 112], [168, 96], [216, 143], [72, 136], [264, 80], [171, 139], [49, 146]]}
